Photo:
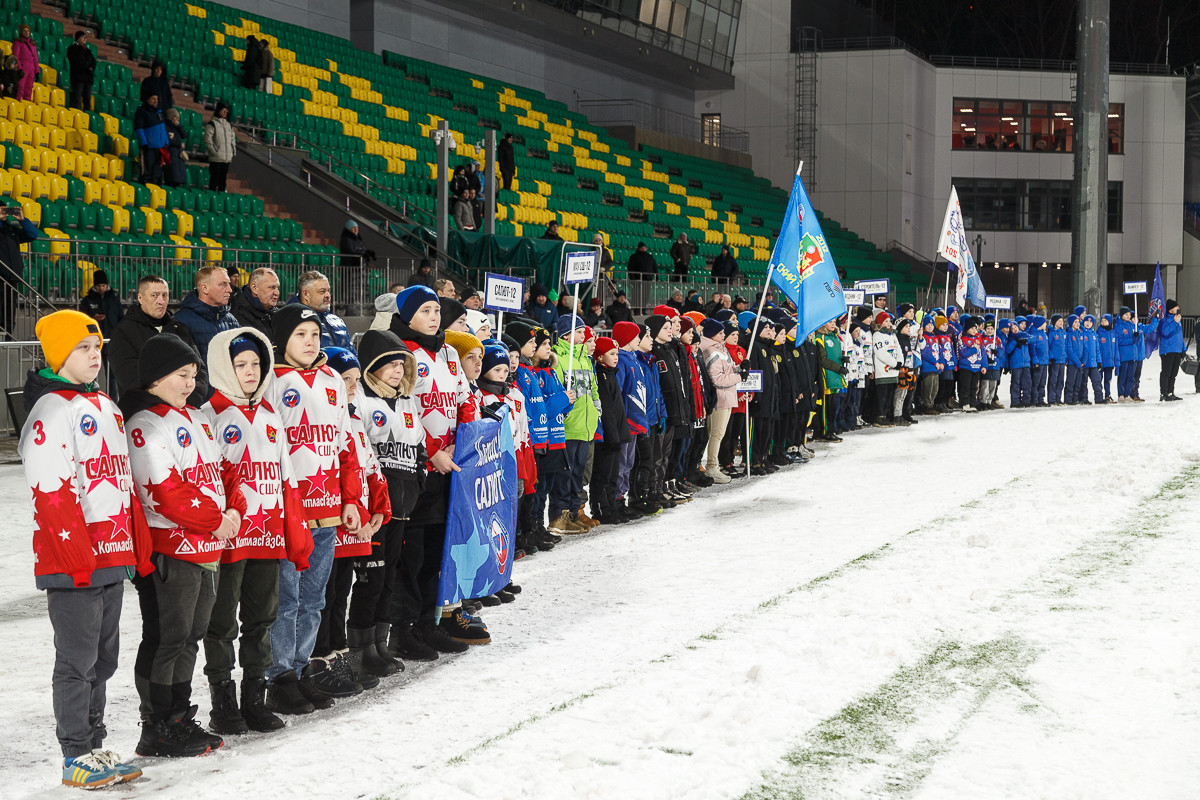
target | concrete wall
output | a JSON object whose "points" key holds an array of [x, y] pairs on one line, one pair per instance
{"points": [[327, 16]]}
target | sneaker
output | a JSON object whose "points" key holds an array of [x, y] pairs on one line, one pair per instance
{"points": [[459, 628], [187, 722], [348, 664], [284, 696], [88, 771], [544, 533], [173, 737], [681, 488], [125, 772], [330, 678], [404, 645], [1172, 397], [435, 636], [716, 475], [758, 470]]}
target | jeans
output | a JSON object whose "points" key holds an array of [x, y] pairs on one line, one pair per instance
{"points": [[301, 599], [566, 485]]}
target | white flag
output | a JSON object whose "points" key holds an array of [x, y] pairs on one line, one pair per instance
{"points": [[952, 245]]}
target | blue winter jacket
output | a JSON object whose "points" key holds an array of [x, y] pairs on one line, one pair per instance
{"points": [[1076, 355], [970, 354], [1091, 346], [1131, 341], [633, 391], [1039, 343], [1170, 335], [334, 332], [931, 352], [557, 405], [656, 407], [1108, 344], [203, 321], [535, 406], [1058, 345], [1017, 348], [1002, 332], [546, 316]]}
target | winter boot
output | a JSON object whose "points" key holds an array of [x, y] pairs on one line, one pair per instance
{"points": [[583, 519], [564, 524], [333, 676], [403, 644], [435, 636], [364, 661], [312, 690], [381, 654], [225, 716], [524, 542], [254, 709], [175, 737], [505, 597], [489, 600], [284, 696], [459, 628], [544, 540], [195, 733]]}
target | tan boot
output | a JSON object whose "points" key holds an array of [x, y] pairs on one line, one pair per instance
{"points": [[563, 524], [583, 519]]}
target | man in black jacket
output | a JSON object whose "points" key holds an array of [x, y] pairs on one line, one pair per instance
{"points": [[725, 266], [83, 72], [15, 231], [506, 161], [149, 319], [256, 302], [641, 266], [618, 310]]}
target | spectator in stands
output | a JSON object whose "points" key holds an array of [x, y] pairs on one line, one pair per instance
{"points": [[724, 266], [10, 77], [740, 304], [714, 305], [14, 232], [356, 257], [506, 161], [205, 310], [552, 232], [266, 65], [157, 83], [151, 130], [313, 291], [252, 64], [606, 261], [255, 303], [693, 302], [618, 310], [220, 143], [458, 182], [477, 206], [473, 301], [540, 309], [595, 317], [563, 304], [641, 266], [26, 53], [474, 178], [681, 253], [102, 304], [175, 169], [83, 72], [676, 301], [464, 218], [148, 319], [396, 287], [424, 275], [444, 287]]}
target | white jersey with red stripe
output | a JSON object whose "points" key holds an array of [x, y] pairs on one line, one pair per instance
{"points": [[374, 496], [518, 422], [441, 388]]}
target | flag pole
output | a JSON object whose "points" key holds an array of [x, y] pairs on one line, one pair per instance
{"points": [[753, 338]]}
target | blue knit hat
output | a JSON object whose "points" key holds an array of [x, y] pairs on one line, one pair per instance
{"points": [[745, 319], [411, 299], [494, 354], [341, 360], [1079, 311], [351, 224], [724, 315], [564, 324], [242, 344], [712, 328]]}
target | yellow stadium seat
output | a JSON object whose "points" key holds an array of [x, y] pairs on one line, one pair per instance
{"points": [[31, 158], [22, 184], [33, 211], [83, 166], [120, 218], [60, 243], [184, 223], [8, 131], [58, 98], [41, 136], [127, 194], [184, 251], [66, 162], [50, 161], [83, 140], [33, 114], [158, 195], [85, 281], [50, 116], [58, 137], [120, 145], [41, 93], [58, 187], [92, 190], [16, 111], [24, 134], [213, 249], [116, 168], [99, 167], [153, 222], [6, 182], [48, 76], [39, 186], [110, 194]]}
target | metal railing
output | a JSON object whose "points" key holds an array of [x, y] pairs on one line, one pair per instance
{"points": [[612, 113]]}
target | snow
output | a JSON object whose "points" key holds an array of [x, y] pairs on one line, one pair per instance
{"points": [[993, 605]]}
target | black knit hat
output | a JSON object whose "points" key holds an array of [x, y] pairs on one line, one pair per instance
{"points": [[655, 323], [162, 354], [1169, 305], [523, 330], [285, 321], [451, 310]]}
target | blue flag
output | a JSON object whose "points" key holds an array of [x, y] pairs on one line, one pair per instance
{"points": [[970, 284], [482, 525], [1158, 302], [802, 266]]}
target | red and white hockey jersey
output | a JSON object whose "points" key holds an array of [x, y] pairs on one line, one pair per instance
{"points": [[183, 481], [251, 438], [85, 514], [374, 495], [441, 389], [518, 421], [312, 404]]}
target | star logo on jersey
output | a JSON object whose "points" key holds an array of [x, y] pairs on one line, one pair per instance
{"points": [[105, 468], [257, 522], [57, 510], [232, 434], [378, 419], [453, 367], [120, 524], [408, 419], [88, 425], [207, 430], [311, 444], [422, 370], [331, 396], [291, 398], [183, 437], [318, 484], [271, 433]]}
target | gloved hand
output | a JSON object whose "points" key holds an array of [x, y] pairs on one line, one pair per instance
{"points": [[492, 411], [744, 370], [661, 426]]}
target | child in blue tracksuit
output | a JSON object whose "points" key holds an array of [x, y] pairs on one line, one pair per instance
{"points": [[1131, 351], [1075, 358], [1057, 337], [930, 349], [641, 414], [971, 361], [1039, 358], [1108, 355], [1090, 370], [1017, 350], [989, 380], [530, 338]]}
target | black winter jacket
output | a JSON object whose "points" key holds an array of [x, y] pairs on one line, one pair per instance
{"points": [[673, 384], [131, 335], [613, 426]]}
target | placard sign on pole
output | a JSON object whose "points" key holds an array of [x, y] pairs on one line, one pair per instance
{"points": [[502, 293], [753, 382], [1135, 287], [854, 297], [580, 268], [998, 302], [872, 287]]}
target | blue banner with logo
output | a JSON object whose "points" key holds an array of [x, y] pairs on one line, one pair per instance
{"points": [[1156, 311], [481, 528], [802, 266]]}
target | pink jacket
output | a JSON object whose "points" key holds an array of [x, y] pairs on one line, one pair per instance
{"points": [[723, 372]]}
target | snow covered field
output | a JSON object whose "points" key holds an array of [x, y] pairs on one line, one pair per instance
{"points": [[981, 606]]}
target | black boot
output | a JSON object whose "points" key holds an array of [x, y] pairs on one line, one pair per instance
{"points": [[254, 709], [381, 651], [284, 696], [403, 644], [459, 628], [225, 716], [436, 637], [328, 678], [173, 737], [363, 660], [312, 692]]}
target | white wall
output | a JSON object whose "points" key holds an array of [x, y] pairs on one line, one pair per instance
{"points": [[319, 15]]}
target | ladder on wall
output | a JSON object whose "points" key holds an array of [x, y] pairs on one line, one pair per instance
{"points": [[805, 126]]}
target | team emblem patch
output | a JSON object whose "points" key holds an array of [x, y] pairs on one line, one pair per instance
{"points": [[207, 431], [453, 365], [120, 423], [183, 437], [378, 418], [331, 396], [271, 434], [499, 540], [518, 406], [662, 366], [232, 435], [291, 398], [422, 370], [88, 425], [408, 419]]}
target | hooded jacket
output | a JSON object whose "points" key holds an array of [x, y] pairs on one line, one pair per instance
{"points": [[554, 396], [721, 371], [886, 356], [247, 434], [150, 127], [1091, 344], [1039, 342], [672, 384], [160, 86], [1076, 355], [392, 419], [1057, 338], [220, 140], [635, 396], [581, 420], [535, 404], [1107, 338], [1017, 346], [930, 348], [614, 430], [1170, 334]]}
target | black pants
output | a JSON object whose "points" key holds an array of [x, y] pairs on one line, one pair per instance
{"points": [[649, 450], [735, 436], [945, 391], [1170, 368], [152, 171], [331, 635], [762, 428], [421, 554], [375, 577], [217, 173], [81, 96], [664, 467], [968, 387], [247, 590], [696, 450], [505, 178], [603, 488], [884, 395]]}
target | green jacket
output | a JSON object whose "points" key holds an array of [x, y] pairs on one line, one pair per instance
{"points": [[832, 368], [584, 416]]}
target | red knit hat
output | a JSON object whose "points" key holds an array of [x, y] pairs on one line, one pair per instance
{"points": [[670, 312], [882, 317], [604, 344], [686, 323], [625, 332], [587, 333]]}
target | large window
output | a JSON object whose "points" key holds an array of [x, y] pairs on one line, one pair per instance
{"points": [[1018, 125], [1012, 205]]}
